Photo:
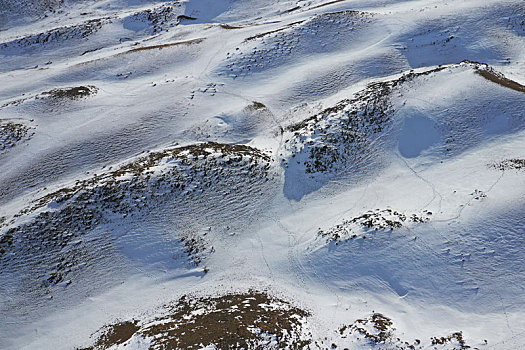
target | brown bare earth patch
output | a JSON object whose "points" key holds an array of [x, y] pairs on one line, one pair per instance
{"points": [[272, 31], [325, 4], [147, 48], [227, 26], [292, 9], [116, 334], [162, 46], [72, 93], [500, 79], [251, 320], [185, 18], [257, 106]]}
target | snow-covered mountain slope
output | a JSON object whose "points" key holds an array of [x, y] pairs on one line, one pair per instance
{"points": [[250, 174]]}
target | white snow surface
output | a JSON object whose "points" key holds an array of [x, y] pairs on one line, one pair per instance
{"points": [[282, 78]]}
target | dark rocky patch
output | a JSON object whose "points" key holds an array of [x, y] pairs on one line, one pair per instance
{"points": [[341, 137], [371, 221], [228, 26], [456, 337], [159, 19], [12, 133], [478, 194], [378, 331], [339, 134], [31, 8], [71, 93]]}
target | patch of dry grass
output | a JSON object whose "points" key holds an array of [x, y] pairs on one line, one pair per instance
{"points": [[251, 320], [261, 35], [162, 46], [227, 26], [500, 79], [325, 4]]}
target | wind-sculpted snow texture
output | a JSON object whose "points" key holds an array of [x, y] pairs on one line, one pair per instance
{"points": [[262, 174]]}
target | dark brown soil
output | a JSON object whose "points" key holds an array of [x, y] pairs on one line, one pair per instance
{"points": [[257, 106], [227, 26], [72, 93], [272, 31], [153, 47], [118, 333], [187, 18], [325, 4], [501, 80], [252, 320]]}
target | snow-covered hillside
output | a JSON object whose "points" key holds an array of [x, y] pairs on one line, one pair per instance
{"points": [[262, 174]]}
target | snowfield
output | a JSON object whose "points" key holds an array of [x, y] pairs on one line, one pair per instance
{"points": [[262, 174]]}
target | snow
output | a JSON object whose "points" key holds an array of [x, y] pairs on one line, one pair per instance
{"points": [[263, 86], [418, 134]]}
